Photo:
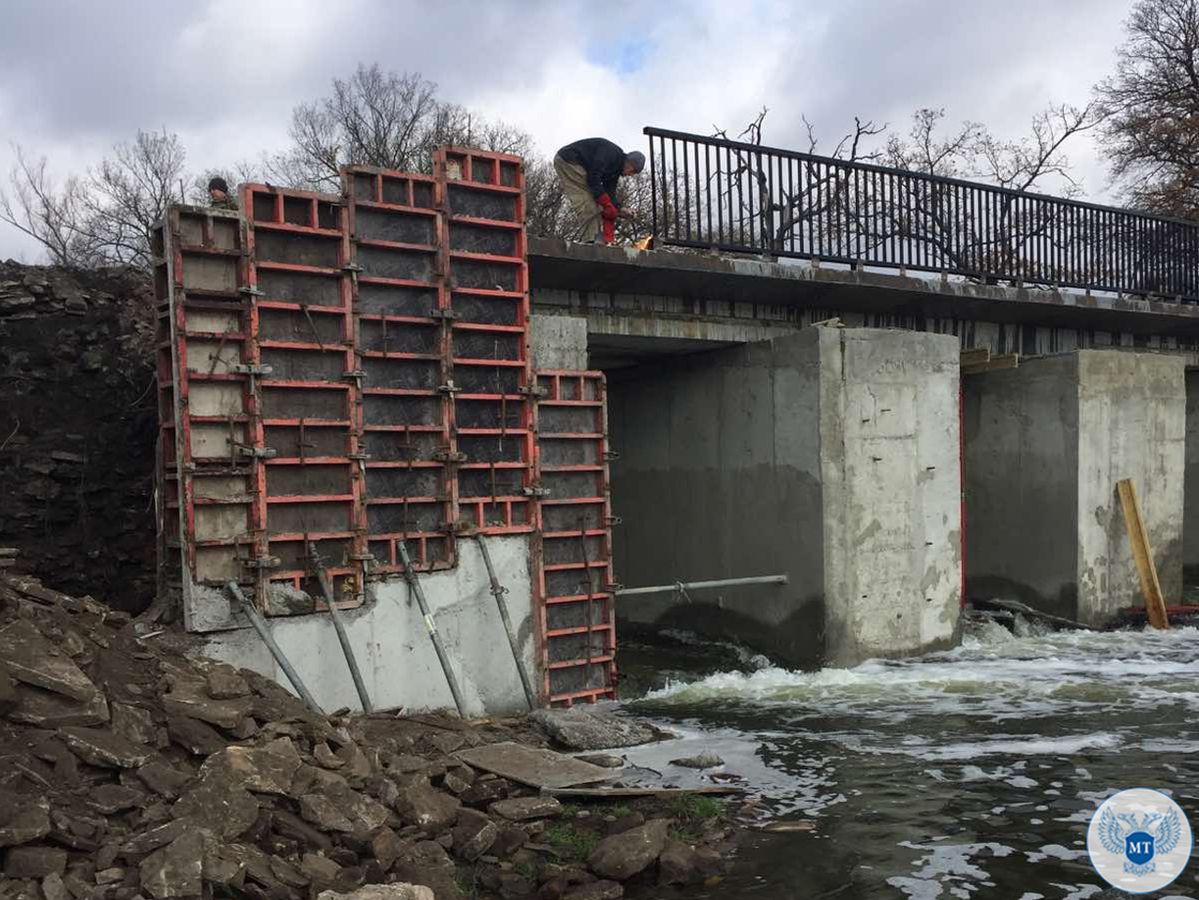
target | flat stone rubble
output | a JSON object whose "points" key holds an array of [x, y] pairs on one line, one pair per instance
{"points": [[133, 770]]}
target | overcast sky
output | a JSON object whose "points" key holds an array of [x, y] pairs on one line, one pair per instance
{"points": [[77, 77]]}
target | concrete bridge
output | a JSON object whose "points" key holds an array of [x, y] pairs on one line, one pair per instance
{"points": [[751, 443]]}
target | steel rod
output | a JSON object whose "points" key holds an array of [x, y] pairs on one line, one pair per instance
{"points": [[498, 591], [260, 626], [414, 585], [699, 585], [326, 583]]}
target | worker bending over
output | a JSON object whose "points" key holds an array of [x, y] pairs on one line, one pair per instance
{"points": [[589, 170]]}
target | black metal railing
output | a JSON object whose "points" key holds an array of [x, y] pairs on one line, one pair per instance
{"points": [[726, 195]]}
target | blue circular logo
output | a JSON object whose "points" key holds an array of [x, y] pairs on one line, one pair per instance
{"points": [[1139, 840]]}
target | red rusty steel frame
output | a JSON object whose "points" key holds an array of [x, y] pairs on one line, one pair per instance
{"points": [[258, 219], [480, 173], [401, 323], [499, 384], [175, 374], [587, 391]]}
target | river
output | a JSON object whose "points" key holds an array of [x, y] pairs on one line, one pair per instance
{"points": [[966, 774]]}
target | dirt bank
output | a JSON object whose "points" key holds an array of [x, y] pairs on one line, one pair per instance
{"points": [[77, 428]]}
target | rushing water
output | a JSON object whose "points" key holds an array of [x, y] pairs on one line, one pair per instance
{"points": [[970, 774]]}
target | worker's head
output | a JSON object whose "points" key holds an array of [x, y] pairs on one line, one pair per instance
{"points": [[218, 188], [634, 162]]}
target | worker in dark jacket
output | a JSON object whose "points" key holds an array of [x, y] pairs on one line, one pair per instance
{"points": [[589, 170]]}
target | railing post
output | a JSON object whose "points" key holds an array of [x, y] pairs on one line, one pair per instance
{"points": [[653, 190]]}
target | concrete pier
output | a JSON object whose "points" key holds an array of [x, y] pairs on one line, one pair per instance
{"points": [[1045, 445], [831, 455]]}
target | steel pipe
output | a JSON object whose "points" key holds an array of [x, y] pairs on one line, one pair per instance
{"points": [[498, 591], [698, 585], [430, 626], [260, 626], [344, 639]]}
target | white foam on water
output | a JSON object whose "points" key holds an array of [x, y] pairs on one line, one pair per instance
{"points": [[1004, 677], [943, 867]]}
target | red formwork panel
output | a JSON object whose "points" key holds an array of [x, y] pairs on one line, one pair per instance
{"points": [[574, 582], [204, 312], [353, 372], [304, 410], [485, 285], [403, 349]]}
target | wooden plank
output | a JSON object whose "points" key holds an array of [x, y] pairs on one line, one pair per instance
{"points": [[1142, 553], [658, 792], [532, 766], [974, 357], [994, 364]]}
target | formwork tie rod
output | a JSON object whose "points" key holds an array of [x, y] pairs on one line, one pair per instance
{"points": [[498, 591], [700, 585], [322, 576], [260, 626], [430, 626]]}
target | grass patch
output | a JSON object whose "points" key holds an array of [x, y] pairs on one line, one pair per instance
{"points": [[527, 869], [696, 807], [569, 843]]}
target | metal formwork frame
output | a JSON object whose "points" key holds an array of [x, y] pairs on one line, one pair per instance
{"points": [[422, 281], [575, 538], [315, 224], [407, 202], [481, 196], [200, 273]]}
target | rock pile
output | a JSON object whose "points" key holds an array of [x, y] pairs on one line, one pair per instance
{"points": [[78, 427], [132, 771]]}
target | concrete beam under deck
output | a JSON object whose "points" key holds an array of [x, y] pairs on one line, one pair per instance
{"points": [[642, 305]]}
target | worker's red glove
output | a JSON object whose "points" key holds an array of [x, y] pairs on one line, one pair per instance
{"points": [[608, 209], [609, 226]]}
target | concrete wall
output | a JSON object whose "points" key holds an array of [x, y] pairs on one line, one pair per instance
{"points": [[830, 455], [393, 649], [1190, 525], [558, 341], [1045, 446]]}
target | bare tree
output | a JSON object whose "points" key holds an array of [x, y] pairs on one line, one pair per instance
{"points": [[371, 118], [778, 200], [1151, 108], [966, 229], [384, 119], [54, 215], [128, 193]]}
